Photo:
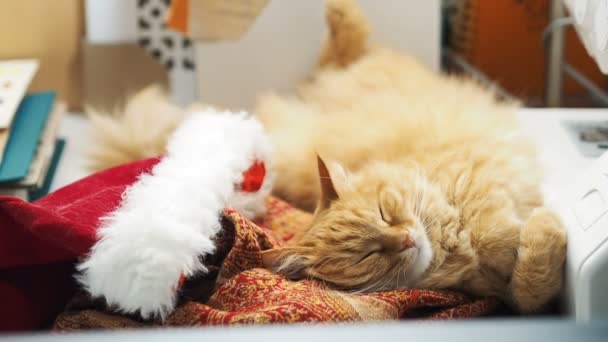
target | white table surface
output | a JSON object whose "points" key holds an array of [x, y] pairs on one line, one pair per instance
{"points": [[475, 330], [562, 162], [76, 130]]}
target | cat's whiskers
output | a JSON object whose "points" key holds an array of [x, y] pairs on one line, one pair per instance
{"points": [[427, 225], [380, 284], [369, 288], [404, 271], [390, 281], [398, 277], [419, 197], [325, 260]]}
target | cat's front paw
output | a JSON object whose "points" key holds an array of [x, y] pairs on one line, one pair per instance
{"points": [[538, 273]]}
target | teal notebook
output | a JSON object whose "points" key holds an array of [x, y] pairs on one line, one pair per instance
{"points": [[35, 194], [28, 123]]}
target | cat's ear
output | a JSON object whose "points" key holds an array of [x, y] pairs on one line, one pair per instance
{"points": [[330, 179], [288, 261]]}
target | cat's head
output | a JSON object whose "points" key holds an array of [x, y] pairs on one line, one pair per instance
{"points": [[367, 234]]}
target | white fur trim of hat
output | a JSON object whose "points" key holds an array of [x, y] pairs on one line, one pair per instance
{"points": [[168, 218]]}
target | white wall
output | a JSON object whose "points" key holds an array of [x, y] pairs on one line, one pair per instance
{"points": [[110, 21], [283, 45]]}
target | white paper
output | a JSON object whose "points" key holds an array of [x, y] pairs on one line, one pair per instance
{"points": [[15, 78]]}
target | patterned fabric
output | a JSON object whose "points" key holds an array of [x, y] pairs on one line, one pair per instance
{"points": [[238, 291]]}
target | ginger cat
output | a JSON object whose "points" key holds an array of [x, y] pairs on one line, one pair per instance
{"points": [[427, 184], [430, 184]]}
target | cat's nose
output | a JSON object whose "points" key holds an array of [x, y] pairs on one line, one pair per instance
{"points": [[406, 243]]}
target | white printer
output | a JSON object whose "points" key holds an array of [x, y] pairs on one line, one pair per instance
{"points": [[576, 186], [585, 214]]}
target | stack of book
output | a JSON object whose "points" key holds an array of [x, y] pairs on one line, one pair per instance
{"points": [[29, 147]]}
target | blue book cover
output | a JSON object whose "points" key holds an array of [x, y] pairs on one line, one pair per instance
{"points": [[50, 175], [27, 127]]}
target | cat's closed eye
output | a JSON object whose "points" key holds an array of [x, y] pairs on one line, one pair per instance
{"points": [[368, 255], [384, 216]]}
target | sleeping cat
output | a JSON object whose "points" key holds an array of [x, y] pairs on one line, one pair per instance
{"points": [[424, 180]]}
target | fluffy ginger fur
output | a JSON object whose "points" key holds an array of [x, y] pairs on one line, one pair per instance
{"points": [[428, 181], [434, 185]]}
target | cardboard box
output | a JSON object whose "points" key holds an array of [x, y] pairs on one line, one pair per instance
{"points": [[112, 72], [213, 20], [50, 31]]}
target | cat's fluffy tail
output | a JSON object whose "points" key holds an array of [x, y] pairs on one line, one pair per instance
{"points": [[139, 131], [348, 34]]}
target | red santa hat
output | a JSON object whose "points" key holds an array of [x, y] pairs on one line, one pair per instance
{"points": [[168, 218]]}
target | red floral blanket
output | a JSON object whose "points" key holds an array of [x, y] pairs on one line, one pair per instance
{"points": [[238, 291], [40, 242]]}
